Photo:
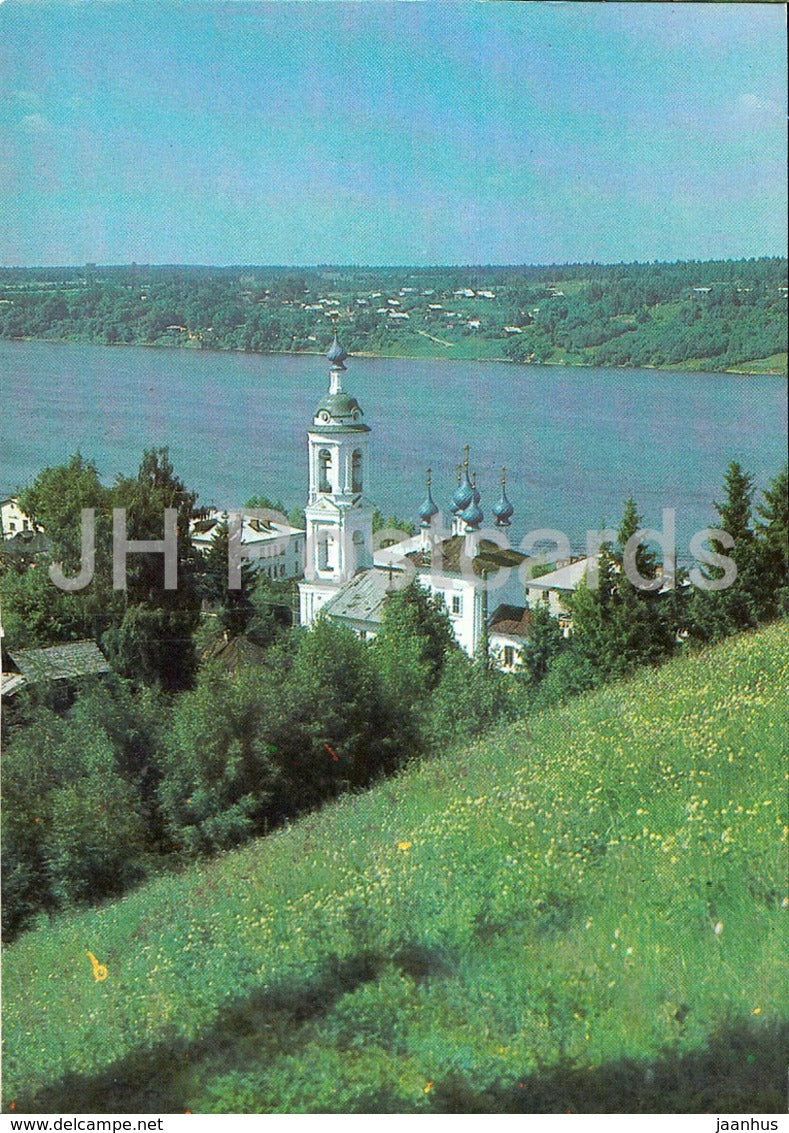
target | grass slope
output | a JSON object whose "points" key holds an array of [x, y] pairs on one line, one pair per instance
{"points": [[582, 912]]}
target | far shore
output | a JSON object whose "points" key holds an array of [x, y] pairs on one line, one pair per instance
{"points": [[697, 369]]}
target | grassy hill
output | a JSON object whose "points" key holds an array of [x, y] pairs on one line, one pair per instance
{"points": [[583, 912]]}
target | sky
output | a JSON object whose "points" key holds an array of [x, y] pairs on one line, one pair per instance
{"points": [[367, 132]]}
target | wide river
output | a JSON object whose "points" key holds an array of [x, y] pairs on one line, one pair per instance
{"points": [[576, 442]]}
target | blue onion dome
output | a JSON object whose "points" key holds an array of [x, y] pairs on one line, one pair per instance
{"points": [[428, 509], [473, 515], [503, 510], [336, 354], [463, 495]]}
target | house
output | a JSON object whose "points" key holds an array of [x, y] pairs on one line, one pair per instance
{"points": [[13, 521], [513, 330], [68, 662], [272, 547], [552, 588], [508, 629]]}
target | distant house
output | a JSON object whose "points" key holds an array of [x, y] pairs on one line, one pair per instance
{"points": [[486, 295], [474, 324], [702, 290], [68, 662], [551, 589], [513, 330], [399, 315], [13, 521], [508, 629], [276, 549]]}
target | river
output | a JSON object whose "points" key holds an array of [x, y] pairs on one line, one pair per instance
{"points": [[576, 442]]}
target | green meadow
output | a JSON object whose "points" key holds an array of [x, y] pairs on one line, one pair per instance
{"points": [[583, 911]]}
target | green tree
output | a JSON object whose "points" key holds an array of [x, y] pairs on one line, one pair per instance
{"points": [[716, 613], [773, 535], [233, 608], [154, 641], [468, 699], [343, 728], [545, 642], [56, 499], [219, 773], [620, 625]]}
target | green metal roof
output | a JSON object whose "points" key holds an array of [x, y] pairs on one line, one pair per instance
{"points": [[339, 404]]}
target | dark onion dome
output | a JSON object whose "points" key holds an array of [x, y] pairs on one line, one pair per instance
{"points": [[428, 509], [336, 355], [463, 494], [472, 516], [503, 510]]}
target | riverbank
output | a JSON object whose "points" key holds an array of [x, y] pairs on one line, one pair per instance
{"points": [[776, 365]]}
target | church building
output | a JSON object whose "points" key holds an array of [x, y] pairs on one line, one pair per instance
{"points": [[349, 581]]}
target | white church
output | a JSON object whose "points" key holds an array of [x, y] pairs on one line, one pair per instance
{"points": [[349, 580]]}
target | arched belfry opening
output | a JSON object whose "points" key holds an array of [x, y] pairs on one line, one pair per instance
{"points": [[356, 471], [324, 470]]}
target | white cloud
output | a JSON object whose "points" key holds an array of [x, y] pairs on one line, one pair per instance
{"points": [[34, 124], [754, 104]]}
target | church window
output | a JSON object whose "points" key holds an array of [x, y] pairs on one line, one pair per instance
{"points": [[356, 471], [509, 656], [323, 554], [457, 604], [324, 470]]}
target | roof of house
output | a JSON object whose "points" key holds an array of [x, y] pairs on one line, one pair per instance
{"points": [[362, 598], [488, 559], [9, 683], [60, 662], [512, 620], [236, 653]]}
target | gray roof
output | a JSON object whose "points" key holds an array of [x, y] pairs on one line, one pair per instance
{"points": [[362, 598], [9, 683], [60, 662]]}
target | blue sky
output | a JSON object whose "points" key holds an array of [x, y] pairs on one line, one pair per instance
{"points": [[377, 133]]}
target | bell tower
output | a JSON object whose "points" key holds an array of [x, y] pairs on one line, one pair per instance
{"points": [[338, 513]]}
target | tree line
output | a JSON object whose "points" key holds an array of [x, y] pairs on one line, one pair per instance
{"points": [[179, 754]]}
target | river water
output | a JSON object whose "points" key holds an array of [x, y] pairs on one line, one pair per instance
{"points": [[576, 442]]}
